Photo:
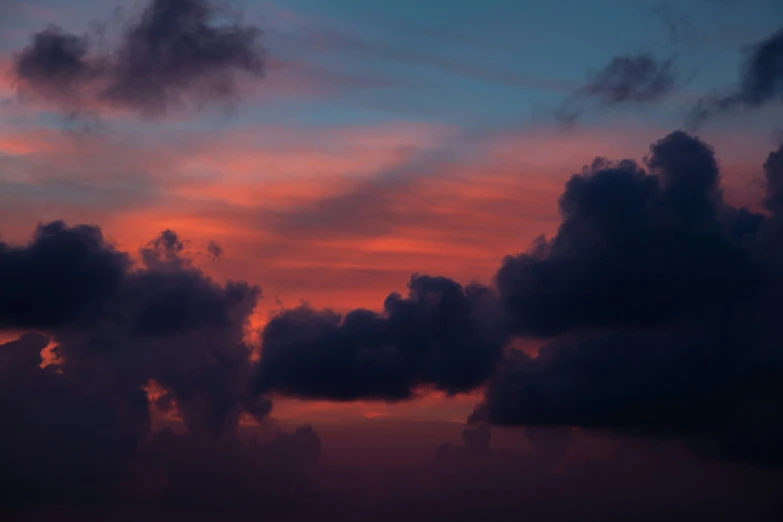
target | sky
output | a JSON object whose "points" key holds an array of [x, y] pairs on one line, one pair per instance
{"points": [[532, 244]]}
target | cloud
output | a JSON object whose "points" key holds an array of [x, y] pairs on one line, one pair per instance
{"points": [[171, 324], [655, 302], [441, 335], [633, 249], [81, 428], [56, 60], [652, 273], [760, 82], [63, 442], [627, 80], [175, 54], [637, 78], [62, 274], [659, 301]]}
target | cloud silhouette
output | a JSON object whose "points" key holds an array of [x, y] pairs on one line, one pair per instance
{"points": [[61, 275], [170, 323], [633, 249], [627, 80], [440, 335], [80, 428], [760, 82], [175, 54], [658, 299]]}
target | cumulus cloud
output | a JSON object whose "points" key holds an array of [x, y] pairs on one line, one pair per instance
{"points": [[175, 54], [441, 335], [659, 300], [627, 80], [170, 323], [760, 82], [62, 274], [634, 249], [80, 428], [655, 302]]}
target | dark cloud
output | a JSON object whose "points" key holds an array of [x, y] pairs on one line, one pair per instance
{"points": [[661, 299], [628, 80], [760, 83], [166, 250], [62, 274], [78, 431], [170, 323], [640, 78], [441, 335], [56, 62], [175, 53], [634, 249], [62, 441]]}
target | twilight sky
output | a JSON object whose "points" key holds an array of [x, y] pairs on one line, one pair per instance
{"points": [[352, 215]]}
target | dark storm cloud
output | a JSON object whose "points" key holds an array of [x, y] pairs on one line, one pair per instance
{"points": [[760, 82], [441, 335], [80, 428], [638, 79], [175, 53], [664, 302]]}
